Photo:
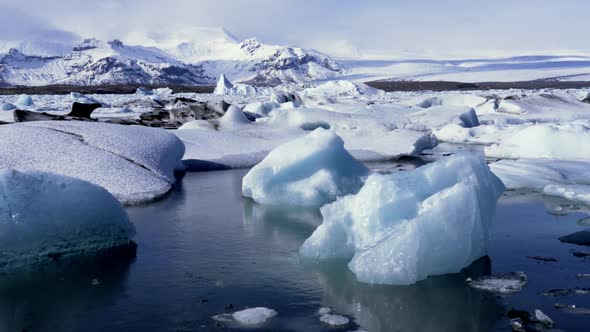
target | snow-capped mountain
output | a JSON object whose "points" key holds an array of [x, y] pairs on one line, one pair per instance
{"points": [[193, 58], [95, 62]]}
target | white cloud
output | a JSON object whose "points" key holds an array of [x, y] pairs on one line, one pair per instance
{"points": [[333, 26]]}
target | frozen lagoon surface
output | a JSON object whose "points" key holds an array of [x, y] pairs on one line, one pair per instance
{"points": [[205, 247]]}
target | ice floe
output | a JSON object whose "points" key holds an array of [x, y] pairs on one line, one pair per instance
{"points": [[334, 320], [501, 284], [135, 164], [310, 171], [44, 216], [398, 228], [545, 141], [254, 316]]}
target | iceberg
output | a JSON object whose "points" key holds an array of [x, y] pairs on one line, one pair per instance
{"points": [[401, 228], [136, 164], [545, 141], [225, 88], [233, 118], [24, 102], [569, 179], [438, 116], [309, 171], [254, 316], [77, 97], [44, 216], [453, 99], [7, 107]]}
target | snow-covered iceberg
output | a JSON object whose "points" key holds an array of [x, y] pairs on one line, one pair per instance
{"points": [[136, 164], [404, 227], [342, 88], [24, 102], [310, 171], [77, 97], [551, 141], [233, 118], [225, 88], [44, 216], [438, 116]]}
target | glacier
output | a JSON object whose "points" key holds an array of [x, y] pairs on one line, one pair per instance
{"points": [[310, 171], [44, 216], [399, 228]]}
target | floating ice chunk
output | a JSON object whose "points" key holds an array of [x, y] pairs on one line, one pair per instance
{"points": [[77, 97], [8, 107], [563, 178], [197, 124], [44, 215], [261, 108], [309, 171], [469, 119], [453, 99], [324, 310], [225, 88], [342, 88], [399, 227], [438, 116], [543, 319], [223, 85], [254, 316], [233, 117], [280, 97], [25, 102], [334, 320], [501, 284], [538, 173], [136, 164], [576, 193], [545, 141]]}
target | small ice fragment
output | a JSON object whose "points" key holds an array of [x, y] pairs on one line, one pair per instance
{"points": [[223, 318], [581, 238], [254, 316], [583, 275], [517, 325], [95, 282], [323, 311], [501, 284], [543, 319], [334, 320]]}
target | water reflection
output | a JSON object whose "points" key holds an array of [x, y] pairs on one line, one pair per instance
{"points": [[43, 298], [291, 224], [442, 303]]}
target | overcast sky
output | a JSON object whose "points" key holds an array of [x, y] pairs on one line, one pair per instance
{"points": [[333, 26]]}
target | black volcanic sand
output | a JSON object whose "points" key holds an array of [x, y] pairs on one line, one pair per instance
{"points": [[99, 89], [391, 86], [388, 86]]}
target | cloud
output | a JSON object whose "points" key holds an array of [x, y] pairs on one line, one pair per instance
{"points": [[333, 26]]}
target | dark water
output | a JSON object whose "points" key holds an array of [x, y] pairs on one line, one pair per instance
{"points": [[205, 247]]}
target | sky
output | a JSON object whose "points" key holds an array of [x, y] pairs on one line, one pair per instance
{"points": [[343, 28]]}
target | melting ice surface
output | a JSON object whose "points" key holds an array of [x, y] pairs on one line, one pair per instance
{"points": [[402, 228], [44, 215]]}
